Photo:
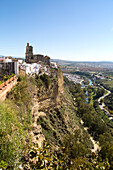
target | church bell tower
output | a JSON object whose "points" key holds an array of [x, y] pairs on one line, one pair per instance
{"points": [[29, 54]]}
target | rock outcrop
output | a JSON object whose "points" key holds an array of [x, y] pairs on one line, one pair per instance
{"points": [[52, 111]]}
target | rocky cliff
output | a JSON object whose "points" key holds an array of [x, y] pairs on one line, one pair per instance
{"points": [[53, 110], [47, 108]]}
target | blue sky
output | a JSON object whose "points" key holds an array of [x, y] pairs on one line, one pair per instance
{"points": [[79, 30]]}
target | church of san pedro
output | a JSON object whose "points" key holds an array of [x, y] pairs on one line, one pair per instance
{"points": [[35, 58]]}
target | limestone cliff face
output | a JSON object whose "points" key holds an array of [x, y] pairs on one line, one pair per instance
{"points": [[60, 82], [55, 88], [52, 111]]}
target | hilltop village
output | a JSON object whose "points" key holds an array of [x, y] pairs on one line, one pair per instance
{"points": [[33, 64], [70, 114], [56, 85]]}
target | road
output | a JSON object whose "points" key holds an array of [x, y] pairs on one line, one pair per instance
{"points": [[96, 146], [102, 97], [102, 106]]}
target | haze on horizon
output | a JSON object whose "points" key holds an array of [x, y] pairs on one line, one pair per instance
{"points": [[63, 29]]}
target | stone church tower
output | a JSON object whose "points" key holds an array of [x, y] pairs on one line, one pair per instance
{"points": [[29, 53], [35, 58]]}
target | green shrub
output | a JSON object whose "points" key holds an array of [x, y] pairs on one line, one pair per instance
{"points": [[21, 95], [5, 78], [46, 79], [12, 136], [39, 82], [1, 82]]}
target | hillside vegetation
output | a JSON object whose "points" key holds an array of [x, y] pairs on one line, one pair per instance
{"points": [[15, 120], [50, 106]]}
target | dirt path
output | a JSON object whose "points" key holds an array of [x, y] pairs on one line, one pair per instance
{"points": [[36, 132], [96, 146]]}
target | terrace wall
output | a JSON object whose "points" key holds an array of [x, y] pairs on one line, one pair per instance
{"points": [[6, 86]]}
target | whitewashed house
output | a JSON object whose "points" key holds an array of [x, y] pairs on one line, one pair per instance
{"points": [[53, 65]]}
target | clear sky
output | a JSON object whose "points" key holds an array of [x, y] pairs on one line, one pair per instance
{"points": [[79, 30]]}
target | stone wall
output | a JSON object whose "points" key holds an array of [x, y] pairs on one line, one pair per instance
{"points": [[6, 86]]}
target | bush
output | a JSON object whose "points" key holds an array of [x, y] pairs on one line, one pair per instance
{"points": [[46, 79], [21, 95], [1, 82], [12, 136]]}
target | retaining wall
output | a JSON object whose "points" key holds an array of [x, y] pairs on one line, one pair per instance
{"points": [[6, 86]]}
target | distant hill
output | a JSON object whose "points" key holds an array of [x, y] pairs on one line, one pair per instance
{"points": [[12, 56], [68, 61], [100, 64], [1, 55]]}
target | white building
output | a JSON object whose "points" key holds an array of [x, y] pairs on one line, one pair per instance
{"points": [[53, 65], [31, 69], [5, 60]]}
